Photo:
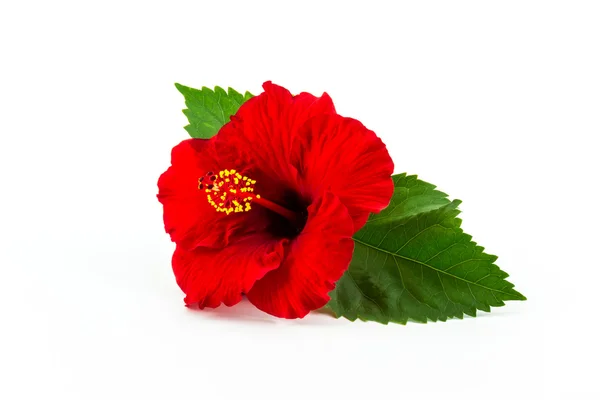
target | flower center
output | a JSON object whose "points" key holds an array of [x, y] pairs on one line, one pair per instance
{"points": [[229, 191]]}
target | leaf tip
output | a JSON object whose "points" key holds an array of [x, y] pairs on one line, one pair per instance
{"points": [[520, 297], [180, 87]]}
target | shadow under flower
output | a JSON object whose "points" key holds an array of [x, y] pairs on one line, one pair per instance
{"points": [[243, 311], [247, 312]]}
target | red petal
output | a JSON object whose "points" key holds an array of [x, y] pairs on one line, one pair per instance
{"points": [[210, 277], [188, 217], [315, 260], [263, 130], [338, 154]]}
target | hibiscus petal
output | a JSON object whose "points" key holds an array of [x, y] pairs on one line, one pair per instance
{"points": [[264, 127], [338, 154], [315, 260], [306, 105], [210, 277], [188, 217]]}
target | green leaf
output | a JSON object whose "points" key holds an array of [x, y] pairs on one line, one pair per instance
{"points": [[208, 110], [411, 197], [418, 264]]}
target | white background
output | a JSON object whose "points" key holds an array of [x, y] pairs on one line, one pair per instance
{"points": [[495, 102]]}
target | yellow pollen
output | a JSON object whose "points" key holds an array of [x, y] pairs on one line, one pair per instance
{"points": [[232, 188]]}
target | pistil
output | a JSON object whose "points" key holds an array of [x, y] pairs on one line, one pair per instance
{"points": [[284, 212], [229, 191]]}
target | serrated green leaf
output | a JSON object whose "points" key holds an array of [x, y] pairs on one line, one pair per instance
{"points": [[208, 110], [411, 197], [247, 95], [419, 266]]}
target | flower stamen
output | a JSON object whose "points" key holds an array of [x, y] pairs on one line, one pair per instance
{"points": [[229, 191]]}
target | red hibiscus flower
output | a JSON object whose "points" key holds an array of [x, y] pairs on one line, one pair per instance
{"points": [[268, 206]]}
